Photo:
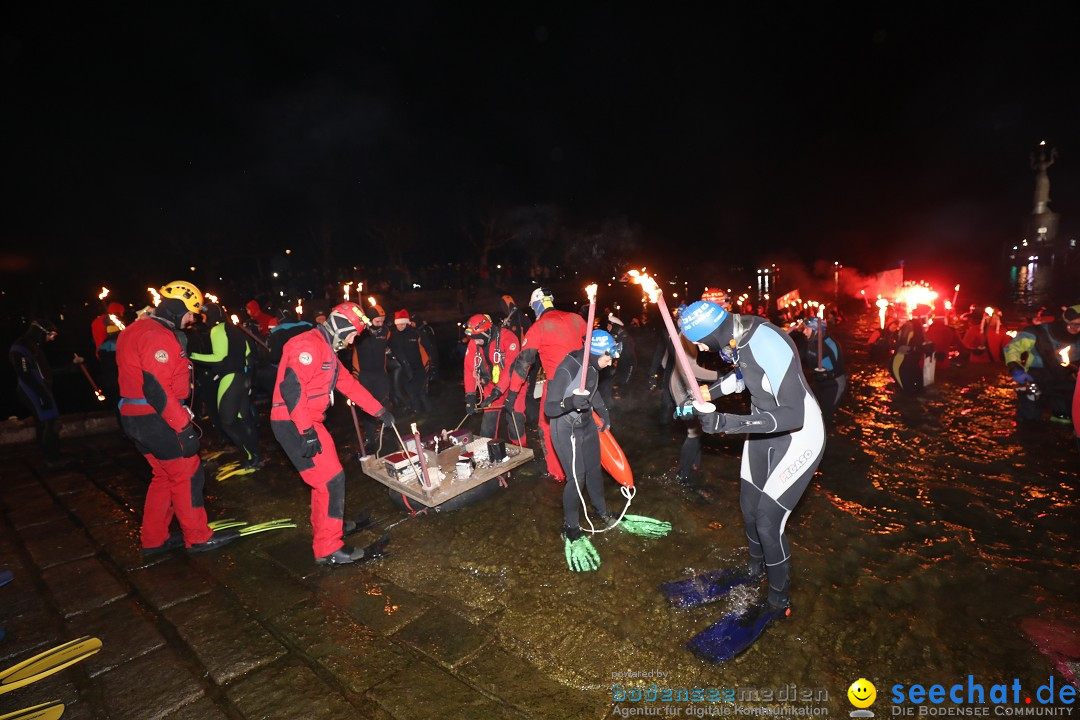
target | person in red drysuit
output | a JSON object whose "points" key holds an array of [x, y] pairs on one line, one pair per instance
{"points": [[490, 354], [554, 334], [308, 374], [263, 320], [155, 382]]}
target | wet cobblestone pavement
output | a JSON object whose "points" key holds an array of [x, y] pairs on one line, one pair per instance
{"points": [[254, 630]]}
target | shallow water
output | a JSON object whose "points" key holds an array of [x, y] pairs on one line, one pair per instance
{"points": [[933, 527]]}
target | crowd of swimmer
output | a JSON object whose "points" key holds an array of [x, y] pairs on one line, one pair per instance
{"points": [[1041, 357], [549, 368]]}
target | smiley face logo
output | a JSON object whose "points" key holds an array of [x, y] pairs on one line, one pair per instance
{"points": [[862, 693]]}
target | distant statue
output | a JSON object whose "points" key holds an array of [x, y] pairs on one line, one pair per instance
{"points": [[1042, 180]]}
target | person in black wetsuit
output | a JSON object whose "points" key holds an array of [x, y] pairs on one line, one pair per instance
{"points": [[34, 383], [576, 439], [785, 437], [828, 378], [577, 444], [230, 362]]}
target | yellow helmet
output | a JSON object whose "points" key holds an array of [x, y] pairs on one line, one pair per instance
{"points": [[184, 292]]}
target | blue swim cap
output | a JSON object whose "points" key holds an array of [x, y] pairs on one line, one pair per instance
{"points": [[603, 342], [814, 323], [701, 318]]}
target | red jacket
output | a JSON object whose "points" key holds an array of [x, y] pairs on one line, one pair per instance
{"points": [[552, 337], [500, 352], [307, 375], [103, 328], [264, 320], [153, 368]]}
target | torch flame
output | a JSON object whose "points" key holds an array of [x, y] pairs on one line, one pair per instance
{"points": [[104, 293], [345, 289], [235, 319], [1064, 353], [648, 285], [371, 300], [212, 298], [300, 307], [990, 311], [116, 321], [590, 290], [154, 294]]}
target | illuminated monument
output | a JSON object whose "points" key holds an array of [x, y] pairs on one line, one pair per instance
{"points": [[1040, 230], [1042, 259]]}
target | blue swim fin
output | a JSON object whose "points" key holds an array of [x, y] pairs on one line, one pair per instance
{"points": [[704, 588], [6, 576], [731, 635]]}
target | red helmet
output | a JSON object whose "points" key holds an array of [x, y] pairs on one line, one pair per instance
{"points": [[478, 325], [353, 313]]}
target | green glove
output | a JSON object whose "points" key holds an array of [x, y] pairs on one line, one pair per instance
{"points": [[581, 556], [645, 526]]}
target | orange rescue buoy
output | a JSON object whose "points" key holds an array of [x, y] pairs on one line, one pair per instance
{"points": [[612, 456]]}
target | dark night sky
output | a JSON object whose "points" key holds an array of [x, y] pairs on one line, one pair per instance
{"points": [[149, 133]]}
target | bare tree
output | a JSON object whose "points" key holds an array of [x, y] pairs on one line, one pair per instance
{"points": [[396, 237], [489, 232]]}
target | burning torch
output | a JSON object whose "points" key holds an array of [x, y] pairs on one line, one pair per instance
{"points": [[882, 305], [93, 385], [590, 290], [253, 336], [652, 290]]}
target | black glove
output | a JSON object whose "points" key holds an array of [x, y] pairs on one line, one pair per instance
{"points": [[312, 446], [189, 440], [511, 400], [715, 423], [496, 393], [470, 403], [578, 402], [386, 418]]}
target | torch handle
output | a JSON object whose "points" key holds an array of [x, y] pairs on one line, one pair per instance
{"points": [[423, 459], [356, 424], [588, 345], [820, 343], [88, 378], [253, 336], [684, 362]]}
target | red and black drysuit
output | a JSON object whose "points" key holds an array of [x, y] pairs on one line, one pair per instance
{"points": [[155, 381], [487, 378], [308, 374], [554, 334]]}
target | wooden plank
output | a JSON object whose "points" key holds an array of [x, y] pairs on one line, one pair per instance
{"points": [[451, 485]]}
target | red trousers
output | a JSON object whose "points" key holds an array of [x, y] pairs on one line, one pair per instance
{"points": [[327, 482], [553, 465], [176, 488]]}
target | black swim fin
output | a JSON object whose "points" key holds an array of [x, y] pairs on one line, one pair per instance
{"points": [[704, 588], [728, 637], [362, 521]]}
